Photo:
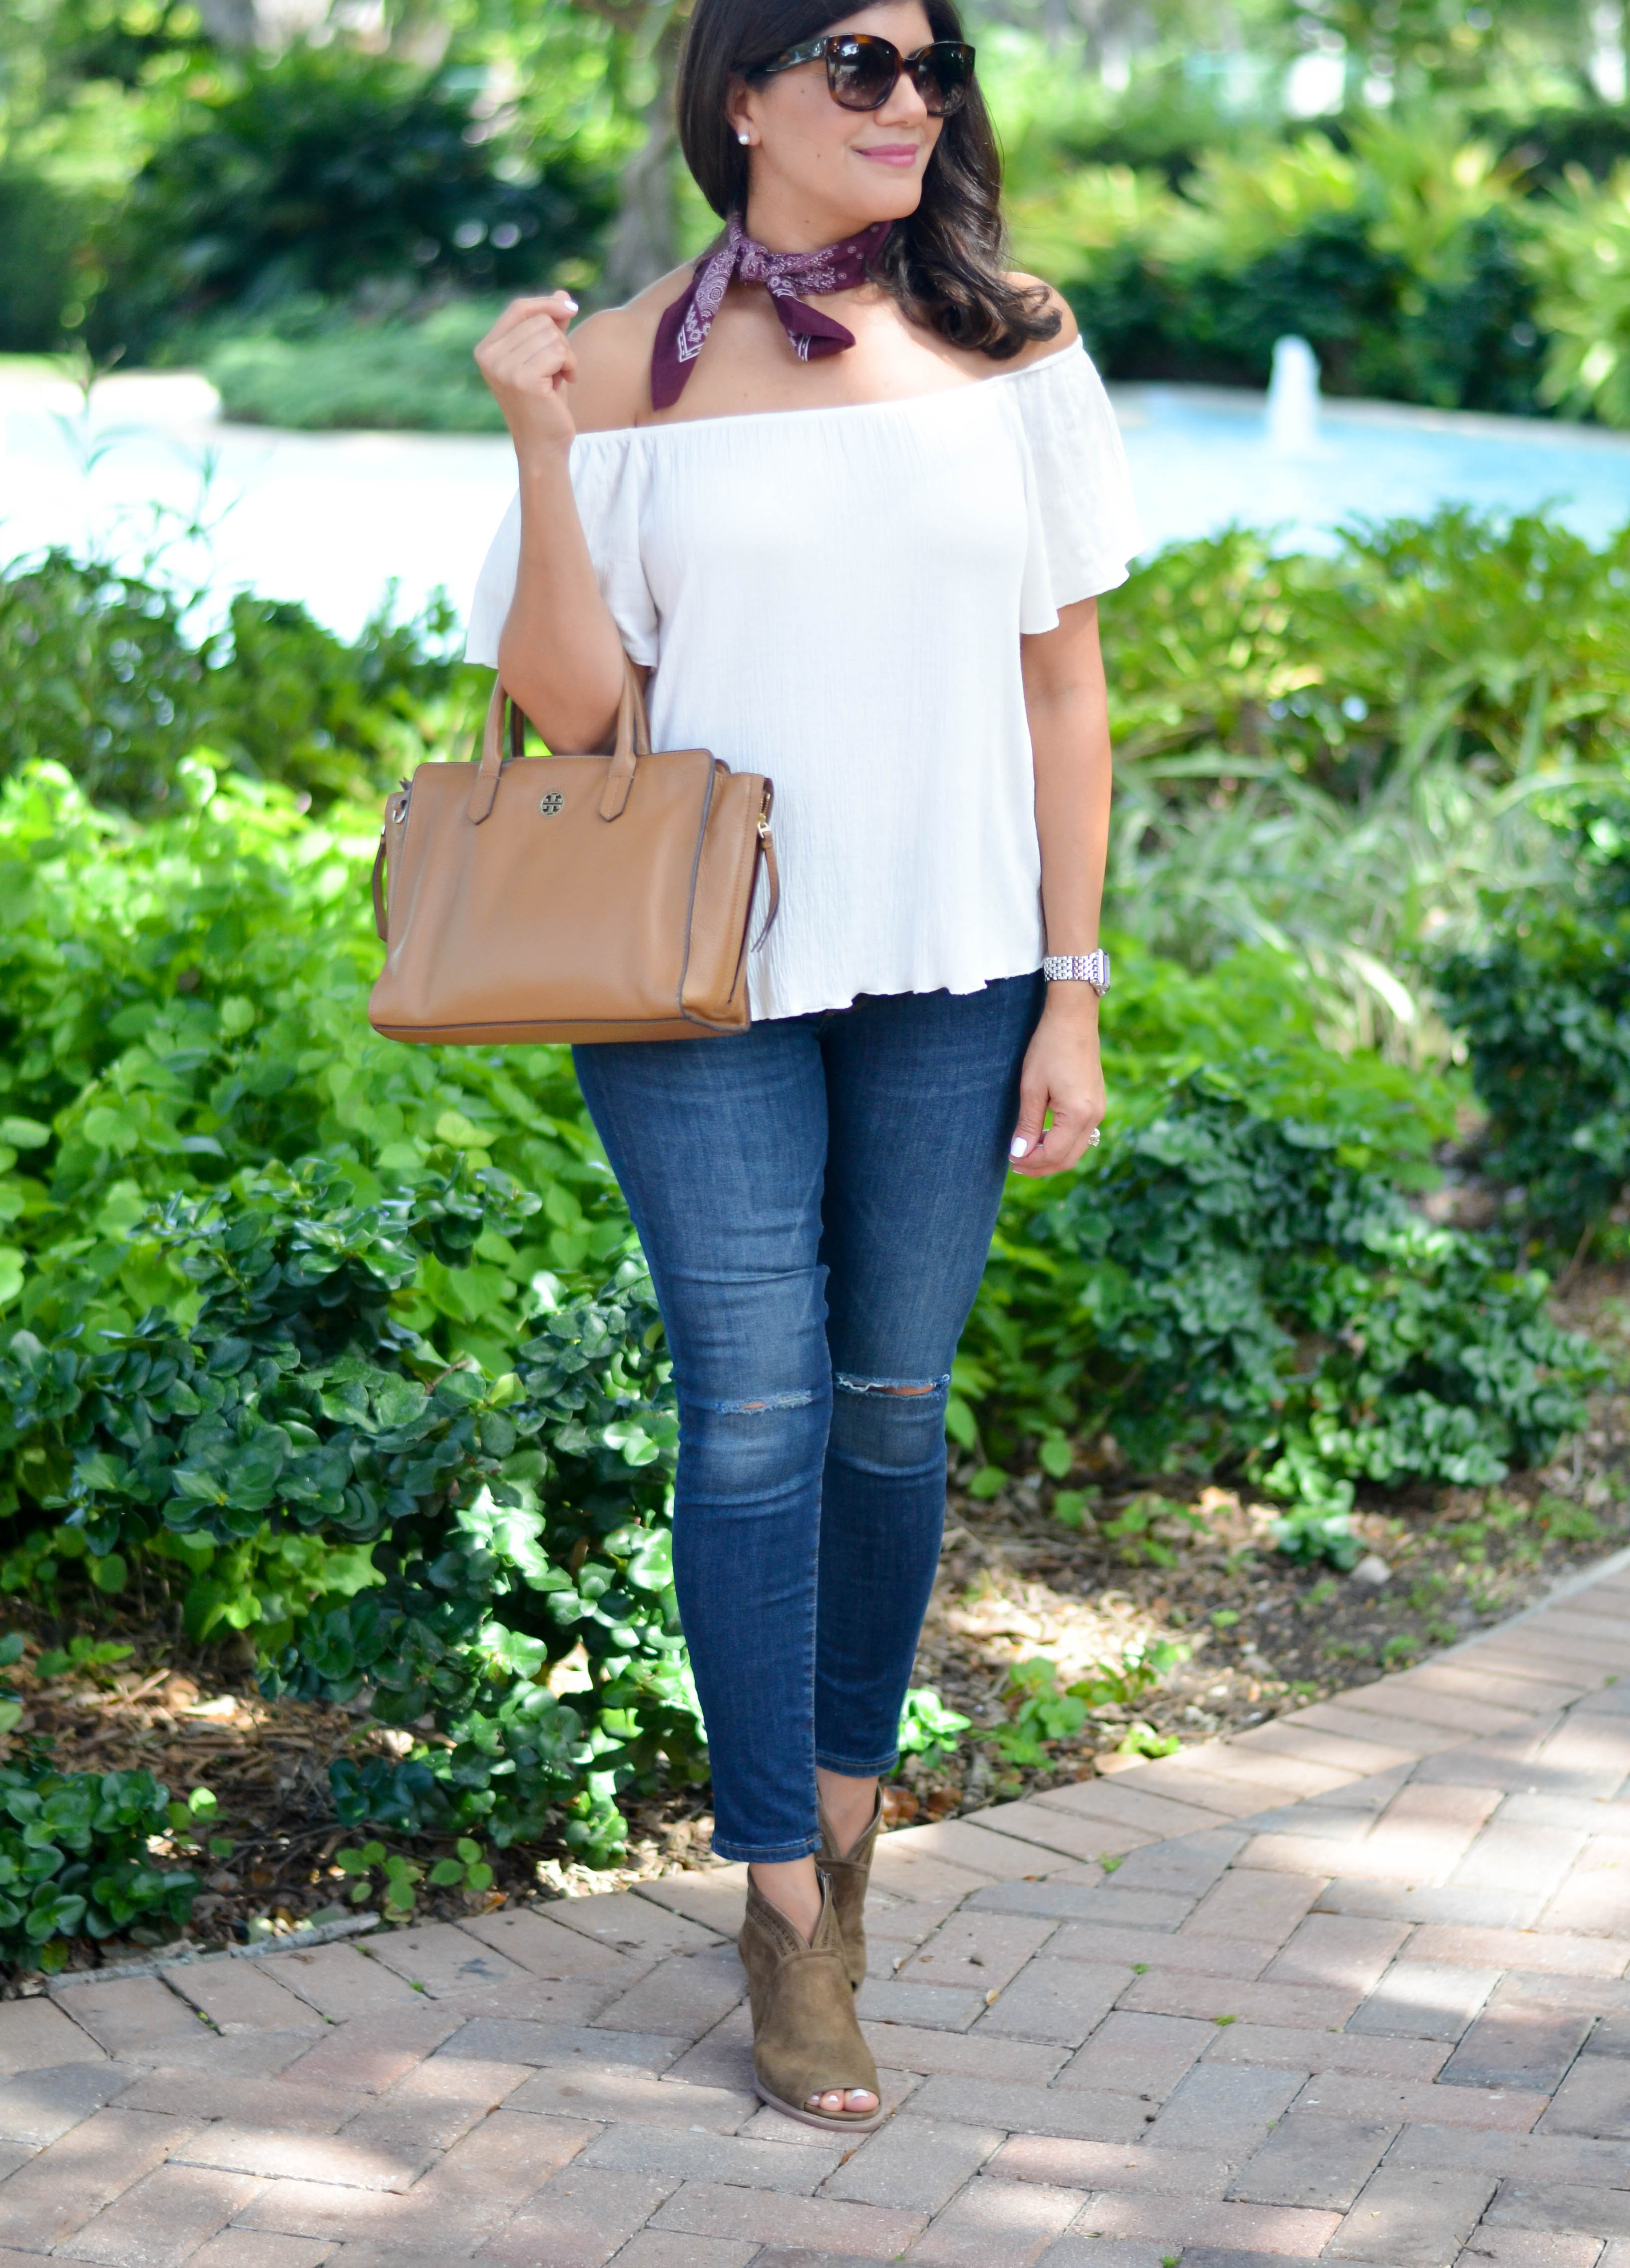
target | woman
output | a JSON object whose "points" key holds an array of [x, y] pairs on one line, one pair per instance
{"points": [[854, 525]]}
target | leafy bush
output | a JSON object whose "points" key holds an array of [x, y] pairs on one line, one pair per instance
{"points": [[1234, 1283], [43, 230], [1582, 260], [511, 1521], [1339, 755], [86, 1854], [74, 1860], [186, 998], [1501, 639], [1542, 1001], [105, 681], [184, 1001], [321, 168], [413, 375], [1403, 258]]}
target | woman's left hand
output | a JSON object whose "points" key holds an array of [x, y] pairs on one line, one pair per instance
{"points": [[1062, 1074]]}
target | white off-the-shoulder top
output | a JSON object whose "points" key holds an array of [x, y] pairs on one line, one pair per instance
{"points": [[835, 597]]}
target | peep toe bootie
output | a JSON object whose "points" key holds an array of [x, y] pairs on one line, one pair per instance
{"points": [[848, 1872], [806, 2039]]}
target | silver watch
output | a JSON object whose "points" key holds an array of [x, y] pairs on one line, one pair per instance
{"points": [[1078, 969]]}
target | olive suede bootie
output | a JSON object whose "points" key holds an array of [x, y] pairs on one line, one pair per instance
{"points": [[848, 1872], [806, 2039]]}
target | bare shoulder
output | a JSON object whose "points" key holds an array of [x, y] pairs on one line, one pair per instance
{"points": [[1067, 332], [613, 351]]}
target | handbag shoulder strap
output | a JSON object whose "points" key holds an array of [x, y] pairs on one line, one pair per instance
{"points": [[633, 741]]}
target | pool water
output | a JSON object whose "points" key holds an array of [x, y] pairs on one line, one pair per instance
{"points": [[1200, 458], [332, 518]]}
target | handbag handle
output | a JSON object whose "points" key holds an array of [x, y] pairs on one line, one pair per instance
{"points": [[633, 741]]}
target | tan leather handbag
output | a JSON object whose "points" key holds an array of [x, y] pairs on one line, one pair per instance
{"points": [[570, 897]]}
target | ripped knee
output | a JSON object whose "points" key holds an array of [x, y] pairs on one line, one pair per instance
{"points": [[889, 1425], [799, 1397], [846, 1382]]}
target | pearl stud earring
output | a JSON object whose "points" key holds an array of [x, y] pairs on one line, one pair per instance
{"points": [[744, 138]]}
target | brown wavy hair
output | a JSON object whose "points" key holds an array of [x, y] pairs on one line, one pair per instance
{"points": [[944, 264]]}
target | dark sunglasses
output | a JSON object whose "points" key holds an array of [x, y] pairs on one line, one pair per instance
{"points": [[861, 72]]}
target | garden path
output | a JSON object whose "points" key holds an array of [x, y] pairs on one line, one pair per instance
{"points": [[1350, 1986]]}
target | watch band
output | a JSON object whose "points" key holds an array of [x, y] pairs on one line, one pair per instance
{"points": [[1078, 969]]}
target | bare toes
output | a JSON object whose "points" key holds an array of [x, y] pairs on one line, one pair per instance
{"points": [[838, 2099]]}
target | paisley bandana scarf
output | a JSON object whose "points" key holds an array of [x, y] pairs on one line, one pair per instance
{"points": [[683, 330]]}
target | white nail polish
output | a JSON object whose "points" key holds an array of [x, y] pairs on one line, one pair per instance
{"points": [[570, 302], [1018, 1146]]}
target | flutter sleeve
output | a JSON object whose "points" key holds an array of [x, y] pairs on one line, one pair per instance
{"points": [[1084, 528], [605, 478]]}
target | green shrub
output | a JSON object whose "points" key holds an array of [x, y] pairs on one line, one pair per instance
{"points": [[511, 1521], [75, 1861], [87, 1855], [1544, 142], [1502, 639], [1581, 261], [391, 374], [1339, 755], [321, 168], [1235, 1285], [186, 998], [105, 680], [43, 275], [1542, 1001], [1403, 259]]}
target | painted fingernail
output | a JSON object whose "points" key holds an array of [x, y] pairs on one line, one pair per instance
{"points": [[1018, 1146], [570, 302]]}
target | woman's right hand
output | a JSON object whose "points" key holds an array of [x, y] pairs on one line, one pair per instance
{"points": [[527, 360]]}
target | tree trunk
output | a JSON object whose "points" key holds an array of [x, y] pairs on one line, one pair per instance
{"points": [[644, 235]]}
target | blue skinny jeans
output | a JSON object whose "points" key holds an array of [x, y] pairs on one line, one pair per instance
{"points": [[815, 1197]]}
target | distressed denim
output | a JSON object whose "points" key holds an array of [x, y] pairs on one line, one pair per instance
{"points": [[815, 1197]]}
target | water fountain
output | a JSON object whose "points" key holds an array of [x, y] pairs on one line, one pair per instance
{"points": [[1293, 399]]}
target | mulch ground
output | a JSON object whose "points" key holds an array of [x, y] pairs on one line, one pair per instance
{"points": [[1195, 1566]]}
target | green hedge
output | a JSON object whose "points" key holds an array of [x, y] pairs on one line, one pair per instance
{"points": [[1543, 1002], [502, 1522], [1237, 1279], [47, 272], [343, 372], [109, 684], [324, 170], [1422, 263]]}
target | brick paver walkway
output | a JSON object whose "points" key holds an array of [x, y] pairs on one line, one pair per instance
{"points": [[1349, 1987]]}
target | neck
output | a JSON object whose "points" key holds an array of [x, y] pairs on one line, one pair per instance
{"points": [[782, 223]]}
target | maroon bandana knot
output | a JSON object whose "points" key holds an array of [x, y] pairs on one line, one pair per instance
{"points": [[683, 330]]}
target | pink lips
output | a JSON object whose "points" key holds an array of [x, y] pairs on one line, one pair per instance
{"points": [[890, 153]]}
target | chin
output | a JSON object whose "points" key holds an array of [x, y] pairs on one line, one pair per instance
{"points": [[889, 199]]}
